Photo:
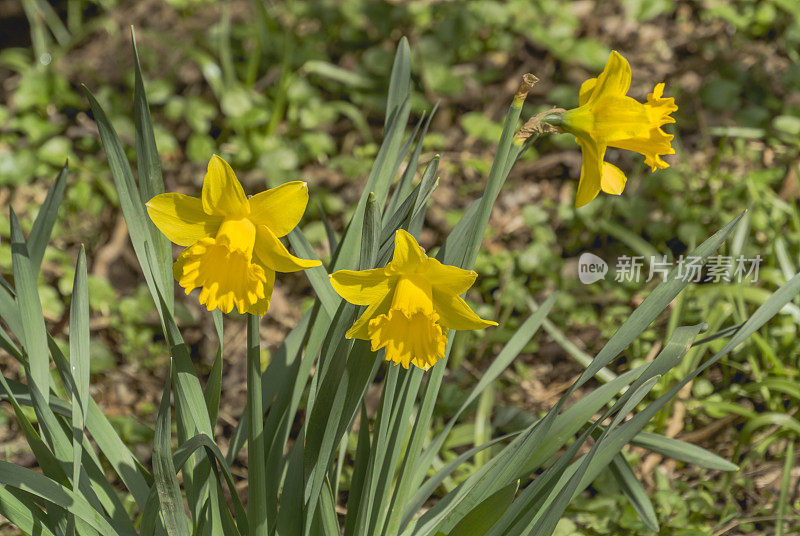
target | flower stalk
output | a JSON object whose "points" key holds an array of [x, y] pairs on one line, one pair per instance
{"points": [[256, 460]]}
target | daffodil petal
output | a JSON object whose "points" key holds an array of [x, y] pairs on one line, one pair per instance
{"points": [[280, 208], [615, 78], [362, 287], [223, 194], [181, 218], [455, 314], [449, 278], [360, 329], [613, 179], [591, 172], [586, 91], [273, 254], [408, 254]]}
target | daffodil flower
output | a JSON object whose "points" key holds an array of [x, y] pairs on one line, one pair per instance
{"points": [[607, 117], [233, 246], [412, 303]]}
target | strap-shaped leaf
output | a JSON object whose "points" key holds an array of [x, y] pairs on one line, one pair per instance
{"points": [[79, 360], [169, 492], [34, 334], [46, 218]]}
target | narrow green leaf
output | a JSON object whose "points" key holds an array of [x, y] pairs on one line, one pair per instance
{"points": [[79, 360], [34, 334], [129, 200], [682, 451], [633, 491], [169, 493], [400, 80], [148, 164], [290, 515], [480, 519], [359, 478], [46, 218]]}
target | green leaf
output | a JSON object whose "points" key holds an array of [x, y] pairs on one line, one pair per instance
{"points": [[483, 516], [400, 81], [359, 478], [46, 218], [169, 493], [34, 334], [148, 164], [79, 360], [130, 202], [682, 451], [633, 491]]}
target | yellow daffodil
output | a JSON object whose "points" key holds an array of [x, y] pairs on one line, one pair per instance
{"points": [[232, 242], [412, 302], [606, 117]]}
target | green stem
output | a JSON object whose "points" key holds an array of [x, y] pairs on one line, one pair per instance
{"points": [[256, 460]]}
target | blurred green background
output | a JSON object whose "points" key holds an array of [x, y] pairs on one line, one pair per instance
{"points": [[295, 90]]}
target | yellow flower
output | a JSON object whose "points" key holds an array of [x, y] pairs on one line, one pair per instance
{"points": [[607, 117], [412, 302], [233, 247]]}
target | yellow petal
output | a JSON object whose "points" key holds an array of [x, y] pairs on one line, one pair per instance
{"points": [[587, 90], [181, 218], [408, 255], [591, 172], [613, 179], [222, 192], [456, 314], [280, 208], [274, 255], [360, 329], [615, 80], [449, 278], [362, 287]]}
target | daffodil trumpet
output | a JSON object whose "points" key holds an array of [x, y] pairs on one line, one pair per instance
{"points": [[411, 304], [233, 246]]}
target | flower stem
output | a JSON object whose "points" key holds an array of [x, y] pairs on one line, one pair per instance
{"points": [[256, 459]]}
